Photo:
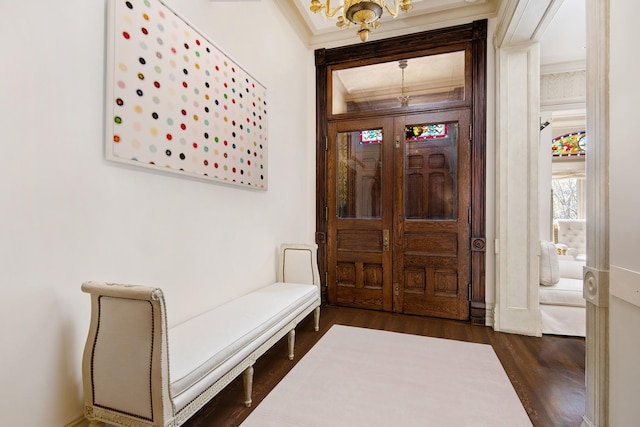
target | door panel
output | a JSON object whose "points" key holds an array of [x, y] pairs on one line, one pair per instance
{"points": [[398, 216], [359, 216]]}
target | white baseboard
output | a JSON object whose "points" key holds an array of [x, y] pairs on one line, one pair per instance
{"points": [[82, 422], [489, 315], [586, 422], [79, 422]]}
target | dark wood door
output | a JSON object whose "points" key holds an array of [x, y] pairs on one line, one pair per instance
{"points": [[398, 214], [359, 216], [432, 211]]}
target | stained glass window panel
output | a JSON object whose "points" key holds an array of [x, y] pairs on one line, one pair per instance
{"points": [[425, 132], [571, 144], [373, 136]]}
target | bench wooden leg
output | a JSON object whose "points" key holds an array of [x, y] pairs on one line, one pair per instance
{"points": [[292, 342], [88, 415], [316, 318], [247, 380]]}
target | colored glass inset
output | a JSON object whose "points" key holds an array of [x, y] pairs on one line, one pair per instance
{"points": [[571, 144]]}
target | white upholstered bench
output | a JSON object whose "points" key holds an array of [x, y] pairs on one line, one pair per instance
{"points": [[562, 305], [138, 372]]}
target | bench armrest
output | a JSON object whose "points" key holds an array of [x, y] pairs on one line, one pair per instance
{"points": [[299, 264], [125, 362]]}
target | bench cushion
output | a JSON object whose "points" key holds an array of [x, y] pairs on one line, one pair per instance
{"points": [[570, 267], [567, 292], [200, 345]]}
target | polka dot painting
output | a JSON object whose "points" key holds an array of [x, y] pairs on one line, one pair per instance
{"points": [[177, 103]]}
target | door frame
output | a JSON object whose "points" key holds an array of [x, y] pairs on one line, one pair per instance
{"points": [[472, 37]]}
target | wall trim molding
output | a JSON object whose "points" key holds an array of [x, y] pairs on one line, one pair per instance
{"points": [[566, 88], [625, 284], [563, 67], [596, 286]]}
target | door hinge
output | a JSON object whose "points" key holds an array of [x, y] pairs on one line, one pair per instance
{"points": [[469, 215], [326, 279], [470, 133], [469, 293], [326, 213], [326, 143]]}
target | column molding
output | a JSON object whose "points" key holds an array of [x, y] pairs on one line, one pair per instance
{"points": [[596, 272]]}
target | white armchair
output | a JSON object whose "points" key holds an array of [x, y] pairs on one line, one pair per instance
{"points": [[572, 237]]}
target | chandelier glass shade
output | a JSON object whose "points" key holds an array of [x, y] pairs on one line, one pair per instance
{"points": [[364, 13], [404, 99]]}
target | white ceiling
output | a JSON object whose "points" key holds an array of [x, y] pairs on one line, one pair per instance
{"points": [[563, 48], [563, 40], [320, 24]]}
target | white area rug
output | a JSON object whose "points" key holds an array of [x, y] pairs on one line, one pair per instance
{"points": [[364, 377]]}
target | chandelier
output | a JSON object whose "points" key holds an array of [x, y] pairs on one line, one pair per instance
{"points": [[365, 13]]}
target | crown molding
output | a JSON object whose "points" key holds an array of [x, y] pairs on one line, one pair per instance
{"points": [[391, 27], [563, 67]]}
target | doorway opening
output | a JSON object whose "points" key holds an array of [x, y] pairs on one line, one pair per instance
{"points": [[400, 183]]}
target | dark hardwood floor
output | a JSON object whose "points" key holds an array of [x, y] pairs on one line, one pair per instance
{"points": [[547, 373]]}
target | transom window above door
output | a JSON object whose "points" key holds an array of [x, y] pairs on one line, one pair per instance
{"points": [[412, 82]]}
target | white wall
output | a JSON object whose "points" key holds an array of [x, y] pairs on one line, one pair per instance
{"points": [[67, 215], [624, 152]]}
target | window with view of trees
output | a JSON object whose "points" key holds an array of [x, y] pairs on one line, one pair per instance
{"points": [[568, 183], [565, 198]]}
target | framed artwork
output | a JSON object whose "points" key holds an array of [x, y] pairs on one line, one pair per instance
{"points": [[177, 103]]}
